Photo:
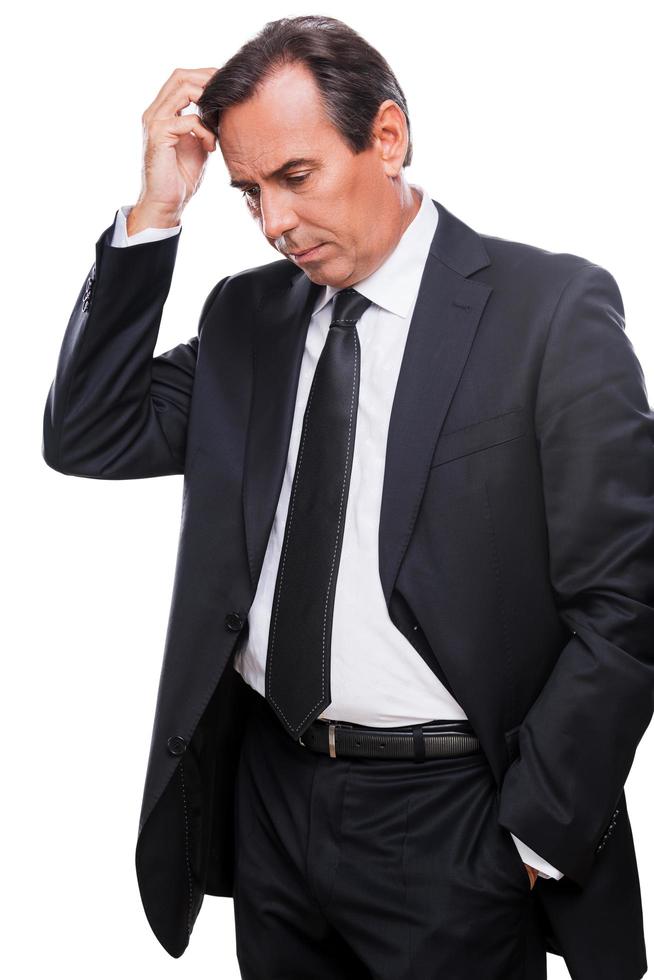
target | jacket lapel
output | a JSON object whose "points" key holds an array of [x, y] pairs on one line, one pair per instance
{"points": [[445, 319], [283, 321], [443, 327]]}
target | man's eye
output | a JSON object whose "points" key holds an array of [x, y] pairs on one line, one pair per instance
{"points": [[251, 193]]}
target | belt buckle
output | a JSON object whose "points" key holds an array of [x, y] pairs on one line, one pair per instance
{"points": [[332, 739], [331, 733]]}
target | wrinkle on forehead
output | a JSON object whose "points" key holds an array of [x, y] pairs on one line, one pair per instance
{"points": [[284, 119], [268, 159]]}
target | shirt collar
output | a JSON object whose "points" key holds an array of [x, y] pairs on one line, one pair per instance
{"points": [[395, 284]]}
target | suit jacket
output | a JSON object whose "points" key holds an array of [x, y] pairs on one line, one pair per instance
{"points": [[516, 542]]}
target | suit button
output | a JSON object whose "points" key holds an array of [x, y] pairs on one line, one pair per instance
{"points": [[234, 622], [176, 745], [88, 291]]}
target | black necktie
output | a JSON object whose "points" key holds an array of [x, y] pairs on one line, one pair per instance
{"points": [[299, 641]]}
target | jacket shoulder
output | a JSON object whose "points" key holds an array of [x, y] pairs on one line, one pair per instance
{"points": [[530, 264], [251, 285]]}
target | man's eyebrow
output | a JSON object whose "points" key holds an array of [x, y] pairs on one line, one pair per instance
{"points": [[296, 162]]}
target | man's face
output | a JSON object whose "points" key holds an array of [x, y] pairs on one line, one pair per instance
{"points": [[329, 197]]}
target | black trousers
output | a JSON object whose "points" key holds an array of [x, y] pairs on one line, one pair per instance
{"points": [[354, 869]]}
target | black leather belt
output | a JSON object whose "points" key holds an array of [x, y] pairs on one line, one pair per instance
{"points": [[430, 740]]}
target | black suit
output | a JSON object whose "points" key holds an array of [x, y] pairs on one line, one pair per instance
{"points": [[516, 533]]}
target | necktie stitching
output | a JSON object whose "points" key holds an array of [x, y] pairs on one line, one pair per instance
{"points": [[290, 519]]}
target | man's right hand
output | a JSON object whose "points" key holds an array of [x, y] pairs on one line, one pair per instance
{"points": [[175, 152]]}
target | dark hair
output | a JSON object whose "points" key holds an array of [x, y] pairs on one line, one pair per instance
{"points": [[352, 77]]}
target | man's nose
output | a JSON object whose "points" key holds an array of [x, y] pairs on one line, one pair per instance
{"points": [[277, 215]]}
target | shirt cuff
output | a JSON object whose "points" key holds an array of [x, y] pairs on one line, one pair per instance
{"points": [[121, 239], [544, 868]]}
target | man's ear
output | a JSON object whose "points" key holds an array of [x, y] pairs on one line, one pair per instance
{"points": [[392, 133]]}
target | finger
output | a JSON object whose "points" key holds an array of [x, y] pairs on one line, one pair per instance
{"points": [[175, 98], [178, 126], [181, 99], [167, 99]]}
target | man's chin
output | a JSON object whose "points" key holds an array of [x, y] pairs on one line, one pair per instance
{"points": [[316, 271], [317, 277], [322, 275]]}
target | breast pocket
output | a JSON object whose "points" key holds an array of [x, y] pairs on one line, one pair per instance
{"points": [[480, 435]]}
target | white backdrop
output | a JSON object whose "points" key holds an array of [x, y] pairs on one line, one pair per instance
{"points": [[530, 122]]}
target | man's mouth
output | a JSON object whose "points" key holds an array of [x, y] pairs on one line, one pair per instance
{"points": [[307, 253]]}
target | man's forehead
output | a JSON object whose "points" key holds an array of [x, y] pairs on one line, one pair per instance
{"points": [[282, 123]]}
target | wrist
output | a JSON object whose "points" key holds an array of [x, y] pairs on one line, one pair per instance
{"points": [[145, 215]]}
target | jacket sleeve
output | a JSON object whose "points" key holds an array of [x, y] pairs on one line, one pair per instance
{"points": [[113, 410], [595, 432]]}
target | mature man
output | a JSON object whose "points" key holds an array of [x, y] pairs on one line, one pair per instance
{"points": [[409, 653]]}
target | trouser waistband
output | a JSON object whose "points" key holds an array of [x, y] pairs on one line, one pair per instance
{"points": [[429, 740]]}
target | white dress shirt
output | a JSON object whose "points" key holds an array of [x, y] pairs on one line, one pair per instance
{"points": [[377, 677]]}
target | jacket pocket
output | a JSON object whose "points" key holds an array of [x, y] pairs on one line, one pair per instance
{"points": [[480, 435], [511, 742]]}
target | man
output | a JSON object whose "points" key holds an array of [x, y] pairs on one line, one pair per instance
{"points": [[409, 653]]}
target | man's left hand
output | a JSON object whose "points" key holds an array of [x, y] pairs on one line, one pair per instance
{"points": [[533, 874]]}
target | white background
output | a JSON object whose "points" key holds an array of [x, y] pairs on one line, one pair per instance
{"points": [[530, 122]]}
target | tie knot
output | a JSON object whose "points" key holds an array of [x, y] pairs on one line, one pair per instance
{"points": [[348, 307]]}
